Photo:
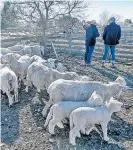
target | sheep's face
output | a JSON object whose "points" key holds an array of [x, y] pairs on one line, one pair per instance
{"points": [[60, 67], [51, 62], [85, 78], [6, 58], [96, 99], [121, 81], [114, 105]]}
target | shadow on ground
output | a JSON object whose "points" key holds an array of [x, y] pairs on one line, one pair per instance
{"points": [[10, 122], [119, 131]]}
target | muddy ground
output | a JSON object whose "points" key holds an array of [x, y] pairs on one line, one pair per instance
{"points": [[22, 125]]}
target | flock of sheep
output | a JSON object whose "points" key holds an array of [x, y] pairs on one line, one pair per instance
{"points": [[71, 95]]}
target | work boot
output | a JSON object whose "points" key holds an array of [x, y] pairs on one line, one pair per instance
{"points": [[103, 64], [113, 65]]}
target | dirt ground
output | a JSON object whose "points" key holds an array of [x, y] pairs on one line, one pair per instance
{"points": [[22, 125]]}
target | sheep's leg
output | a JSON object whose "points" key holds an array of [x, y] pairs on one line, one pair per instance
{"points": [[38, 90], [83, 130], [104, 129], [19, 81], [10, 98], [60, 125], [72, 135], [49, 117], [16, 95], [52, 125], [89, 129], [27, 83], [48, 104]]}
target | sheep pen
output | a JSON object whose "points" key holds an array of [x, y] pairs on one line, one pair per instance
{"points": [[22, 126]]}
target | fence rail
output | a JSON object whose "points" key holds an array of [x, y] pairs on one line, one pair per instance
{"points": [[74, 45]]}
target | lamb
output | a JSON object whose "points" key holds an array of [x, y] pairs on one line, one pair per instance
{"points": [[62, 110], [80, 91], [18, 66], [8, 84], [31, 50], [42, 76], [92, 116]]}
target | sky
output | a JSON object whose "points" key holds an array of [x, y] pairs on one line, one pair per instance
{"points": [[122, 8]]}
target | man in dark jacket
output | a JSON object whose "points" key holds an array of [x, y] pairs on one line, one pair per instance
{"points": [[111, 37], [91, 34]]}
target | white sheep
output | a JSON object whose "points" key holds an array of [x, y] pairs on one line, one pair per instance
{"points": [[84, 78], [34, 50], [60, 67], [5, 51], [18, 66], [33, 75], [48, 63], [25, 58], [120, 80], [4, 65], [36, 58], [92, 116], [17, 47], [63, 109], [4, 58], [8, 84], [51, 63], [42, 76], [80, 91]]}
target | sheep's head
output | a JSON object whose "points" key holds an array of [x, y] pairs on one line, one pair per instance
{"points": [[71, 76], [114, 105], [6, 58], [121, 81], [60, 67], [85, 78], [51, 62], [96, 99]]}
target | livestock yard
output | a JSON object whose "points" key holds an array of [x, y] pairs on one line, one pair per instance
{"points": [[22, 125]]}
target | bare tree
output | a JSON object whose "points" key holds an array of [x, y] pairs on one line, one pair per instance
{"points": [[42, 12], [104, 17], [8, 15]]}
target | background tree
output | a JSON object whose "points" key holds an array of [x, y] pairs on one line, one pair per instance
{"points": [[8, 15], [42, 13], [104, 17]]}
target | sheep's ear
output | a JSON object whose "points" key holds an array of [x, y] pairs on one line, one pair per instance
{"points": [[106, 102], [94, 93], [111, 99]]}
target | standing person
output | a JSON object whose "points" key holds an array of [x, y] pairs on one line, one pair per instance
{"points": [[91, 34], [111, 37]]}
